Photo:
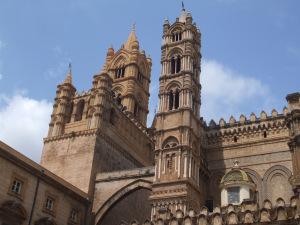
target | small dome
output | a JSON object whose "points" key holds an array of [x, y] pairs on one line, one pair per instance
{"points": [[236, 175]]}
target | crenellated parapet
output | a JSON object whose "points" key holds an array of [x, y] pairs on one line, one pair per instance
{"points": [[247, 129], [246, 213]]}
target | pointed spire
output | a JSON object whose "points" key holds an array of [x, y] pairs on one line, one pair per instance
{"points": [[182, 5], [132, 42], [68, 79], [109, 55]]}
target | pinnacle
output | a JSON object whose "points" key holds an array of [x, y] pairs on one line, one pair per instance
{"points": [[68, 79], [132, 39]]}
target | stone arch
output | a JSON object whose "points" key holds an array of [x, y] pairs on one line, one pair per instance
{"points": [[276, 184], [175, 52], [79, 109], [118, 89], [170, 142], [12, 213], [119, 195], [119, 60], [176, 27], [173, 85], [45, 221], [258, 182]]}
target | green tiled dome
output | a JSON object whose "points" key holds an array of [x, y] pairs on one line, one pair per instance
{"points": [[236, 175]]}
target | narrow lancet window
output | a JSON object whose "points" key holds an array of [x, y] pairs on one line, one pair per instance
{"points": [[178, 64], [171, 98], [79, 111], [176, 99], [173, 65]]}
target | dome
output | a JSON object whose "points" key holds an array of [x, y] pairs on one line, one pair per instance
{"points": [[236, 175]]}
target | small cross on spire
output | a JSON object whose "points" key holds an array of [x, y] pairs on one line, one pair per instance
{"points": [[70, 67]]}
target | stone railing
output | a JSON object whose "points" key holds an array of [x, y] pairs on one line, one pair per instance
{"points": [[245, 213]]}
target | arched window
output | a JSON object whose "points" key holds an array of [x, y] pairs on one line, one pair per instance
{"points": [[176, 37], [176, 99], [12, 213], [171, 100], [178, 64], [170, 142], [173, 65], [69, 111], [79, 110], [120, 72], [45, 221]]}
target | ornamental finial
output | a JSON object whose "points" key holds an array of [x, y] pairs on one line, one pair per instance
{"points": [[182, 5], [236, 164]]}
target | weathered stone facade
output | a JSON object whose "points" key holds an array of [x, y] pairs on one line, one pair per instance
{"points": [[26, 203], [171, 172]]}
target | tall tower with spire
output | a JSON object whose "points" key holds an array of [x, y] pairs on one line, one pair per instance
{"points": [[180, 170], [97, 130]]}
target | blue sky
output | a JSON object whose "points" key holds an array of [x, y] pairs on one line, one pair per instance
{"points": [[250, 48]]}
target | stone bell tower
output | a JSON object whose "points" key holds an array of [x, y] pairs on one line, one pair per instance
{"points": [[179, 161], [130, 70], [102, 129]]}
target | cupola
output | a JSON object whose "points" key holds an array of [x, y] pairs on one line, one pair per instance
{"points": [[236, 186]]}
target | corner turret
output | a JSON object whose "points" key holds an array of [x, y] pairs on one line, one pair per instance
{"points": [[62, 108]]}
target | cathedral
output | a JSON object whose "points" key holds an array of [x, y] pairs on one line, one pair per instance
{"points": [[102, 165]]}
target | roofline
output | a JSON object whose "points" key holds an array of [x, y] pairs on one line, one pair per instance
{"points": [[41, 172]]}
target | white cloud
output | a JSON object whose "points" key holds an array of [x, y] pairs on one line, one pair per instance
{"points": [[24, 122], [226, 92]]}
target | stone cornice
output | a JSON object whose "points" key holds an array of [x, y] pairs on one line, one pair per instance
{"points": [[71, 135]]}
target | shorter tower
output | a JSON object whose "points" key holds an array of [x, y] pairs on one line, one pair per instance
{"points": [[63, 106], [102, 129]]}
